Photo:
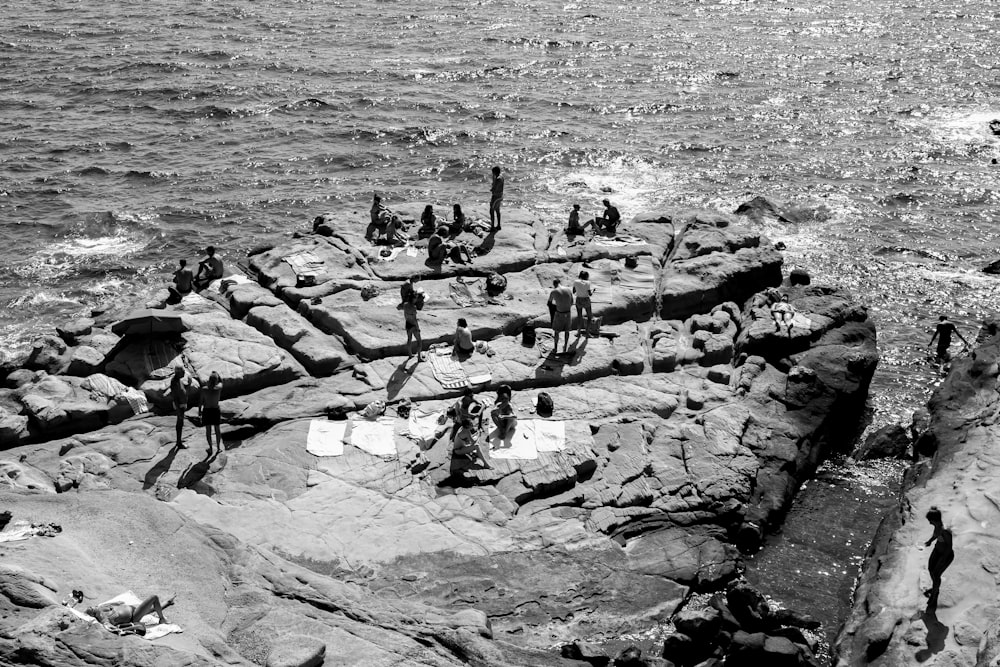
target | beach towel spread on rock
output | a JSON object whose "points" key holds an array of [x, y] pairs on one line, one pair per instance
{"points": [[422, 427], [307, 266], [22, 530], [154, 629], [468, 293], [114, 390], [447, 370], [643, 276], [619, 241], [520, 445], [549, 436], [326, 438], [603, 276], [377, 437]]}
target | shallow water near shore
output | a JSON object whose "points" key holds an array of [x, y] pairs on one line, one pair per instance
{"points": [[133, 135]]}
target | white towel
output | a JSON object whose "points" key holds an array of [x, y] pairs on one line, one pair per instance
{"points": [[375, 437], [550, 436], [519, 445], [411, 251], [423, 427], [326, 438]]}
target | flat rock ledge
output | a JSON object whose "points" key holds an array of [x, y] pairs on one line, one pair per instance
{"points": [[957, 471], [688, 424]]}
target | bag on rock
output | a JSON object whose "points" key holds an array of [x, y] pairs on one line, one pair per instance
{"points": [[528, 335], [496, 284], [374, 410], [595, 326], [369, 292], [543, 405]]}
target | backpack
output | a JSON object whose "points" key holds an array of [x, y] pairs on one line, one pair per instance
{"points": [[496, 284], [418, 299], [528, 335], [544, 405], [374, 410], [595, 326], [369, 292]]}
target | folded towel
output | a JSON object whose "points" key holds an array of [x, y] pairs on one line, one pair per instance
{"points": [[326, 438], [448, 371], [306, 265]]}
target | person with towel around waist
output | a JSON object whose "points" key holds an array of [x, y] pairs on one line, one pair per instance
{"points": [[560, 304]]}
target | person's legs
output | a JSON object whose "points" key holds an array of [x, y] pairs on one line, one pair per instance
{"points": [[150, 604], [579, 318], [218, 437], [208, 435], [566, 338], [409, 341], [180, 426], [420, 344]]}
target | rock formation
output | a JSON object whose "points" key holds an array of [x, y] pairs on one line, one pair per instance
{"points": [[892, 623], [679, 436]]}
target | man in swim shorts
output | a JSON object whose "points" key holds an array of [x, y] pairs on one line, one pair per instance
{"points": [[560, 304], [609, 220], [943, 332], [209, 410], [209, 269], [496, 198]]}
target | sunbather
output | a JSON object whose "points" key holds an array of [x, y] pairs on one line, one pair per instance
{"points": [[119, 613], [463, 345], [503, 413], [428, 222], [457, 221]]}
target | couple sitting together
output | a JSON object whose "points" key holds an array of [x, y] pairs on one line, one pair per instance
{"points": [[467, 415]]}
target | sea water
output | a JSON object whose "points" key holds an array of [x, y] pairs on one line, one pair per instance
{"points": [[133, 134]]}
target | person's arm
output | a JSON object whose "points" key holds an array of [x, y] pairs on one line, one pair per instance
{"points": [[933, 338], [964, 342], [933, 537]]}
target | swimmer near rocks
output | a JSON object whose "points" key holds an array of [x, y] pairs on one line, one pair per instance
{"points": [[453, 461]]}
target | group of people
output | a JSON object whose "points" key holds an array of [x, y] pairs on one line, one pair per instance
{"points": [[181, 386], [467, 415], [561, 301], [186, 281]]}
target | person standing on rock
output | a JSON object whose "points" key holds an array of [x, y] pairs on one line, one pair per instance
{"points": [[582, 291], [943, 332], [179, 386], [942, 555], [410, 308], [560, 304], [496, 198], [208, 410]]}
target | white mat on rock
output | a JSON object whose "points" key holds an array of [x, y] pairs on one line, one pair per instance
{"points": [[375, 437], [520, 445], [326, 438], [550, 436]]}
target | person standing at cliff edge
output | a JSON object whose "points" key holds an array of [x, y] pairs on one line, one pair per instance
{"points": [[496, 198], [943, 333]]}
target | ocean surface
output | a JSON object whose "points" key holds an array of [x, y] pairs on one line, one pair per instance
{"points": [[134, 133]]}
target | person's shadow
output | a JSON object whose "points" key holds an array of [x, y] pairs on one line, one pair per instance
{"points": [[936, 632], [486, 246], [195, 472], [159, 468], [400, 376]]}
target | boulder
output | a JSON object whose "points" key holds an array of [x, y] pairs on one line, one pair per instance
{"points": [[84, 360], [589, 653], [890, 441], [630, 657], [72, 331], [701, 625], [296, 651]]}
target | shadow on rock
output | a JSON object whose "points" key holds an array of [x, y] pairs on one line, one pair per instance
{"points": [[936, 633], [158, 469], [397, 380]]}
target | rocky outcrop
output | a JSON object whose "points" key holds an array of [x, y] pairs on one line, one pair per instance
{"points": [[892, 622], [682, 432]]}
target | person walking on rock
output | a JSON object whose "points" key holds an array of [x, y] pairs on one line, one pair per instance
{"points": [[943, 332], [942, 555], [179, 386], [560, 304], [208, 410], [496, 198]]}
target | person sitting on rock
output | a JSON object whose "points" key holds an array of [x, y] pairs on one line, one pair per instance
{"points": [[209, 269], [783, 314], [437, 247], [609, 220], [379, 217], [118, 613], [942, 555], [466, 407], [503, 413], [457, 221], [463, 345], [183, 283], [465, 442], [573, 227], [428, 222]]}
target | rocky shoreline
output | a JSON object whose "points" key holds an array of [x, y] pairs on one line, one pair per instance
{"points": [[955, 470], [687, 427]]}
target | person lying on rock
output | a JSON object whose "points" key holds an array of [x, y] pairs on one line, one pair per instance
{"points": [[118, 613], [783, 314], [943, 332], [942, 555]]}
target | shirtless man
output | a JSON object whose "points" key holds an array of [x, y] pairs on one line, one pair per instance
{"points": [[943, 332], [560, 304], [183, 283], [178, 391], [609, 220], [496, 198], [209, 269]]}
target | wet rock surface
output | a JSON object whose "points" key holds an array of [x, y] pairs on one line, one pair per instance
{"points": [[682, 431]]}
